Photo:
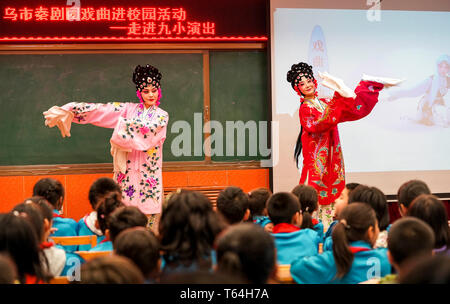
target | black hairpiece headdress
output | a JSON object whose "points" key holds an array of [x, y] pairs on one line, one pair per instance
{"points": [[297, 71], [146, 75]]}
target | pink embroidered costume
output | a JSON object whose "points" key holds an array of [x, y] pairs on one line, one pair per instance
{"points": [[136, 142], [323, 164]]}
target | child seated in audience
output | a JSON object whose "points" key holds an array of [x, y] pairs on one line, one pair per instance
{"points": [[53, 191], [377, 200], [53, 259], [353, 258], [187, 230], [408, 192], [112, 202], [232, 204], [19, 241], [409, 240], [307, 196], [291, 241], [88, 224], [432, 211], [246, 250], [430, 270], [111, 269], [340, 203], [257, 200], [124, 218], [142, 247]]}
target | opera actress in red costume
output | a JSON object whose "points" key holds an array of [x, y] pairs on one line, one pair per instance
{"points": [[318, 141]]}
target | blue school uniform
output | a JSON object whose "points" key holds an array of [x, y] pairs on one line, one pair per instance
{"points": [[321, 268], [103, 246], [261, 220], [294, 244], [66, 227], [318, 227], [86, 226], [73, 261]]}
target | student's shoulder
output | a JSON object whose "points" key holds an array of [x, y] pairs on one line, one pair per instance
{"points": [[311, 233]]}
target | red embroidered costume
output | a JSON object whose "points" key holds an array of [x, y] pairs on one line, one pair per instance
{"points": [[323, 163]]}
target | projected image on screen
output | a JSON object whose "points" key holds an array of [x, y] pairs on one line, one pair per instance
{"points": [[409, 128]]}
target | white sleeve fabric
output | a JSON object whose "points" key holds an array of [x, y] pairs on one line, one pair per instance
{"points": [[57, 116]]}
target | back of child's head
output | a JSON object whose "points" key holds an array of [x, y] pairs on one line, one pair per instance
{"points": [[52, 190], [112, 269], [410, 190], [8, 271], [124, 218], [257, 200], [18, 239], [142, 247], [106, 208], [432, 211], [410, 238], [248, 251], [188, 227], [375, 198], [354, 223], [307, 196], [232, 203], [43, 205], [282, 206], [34, 216], [429, 270], [100, 188]]}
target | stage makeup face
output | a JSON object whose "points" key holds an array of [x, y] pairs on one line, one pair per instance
{"points": [[307, 87], [150, 95]]}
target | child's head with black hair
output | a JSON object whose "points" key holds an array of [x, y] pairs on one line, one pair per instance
{"points": [[248, 251], [375, 198], [342, 201], [408, 192], [52, 190], [257, 200], [284, 207], [45, 209], [409, 239], [429, 270], [34, 216], [111, 269], [8, 271], [18, 239], [432, 211], [358, 222], [106, 208], [142, 247], [232, 203], [123, 218], [100, 188], [308, 199], [188, 228]]}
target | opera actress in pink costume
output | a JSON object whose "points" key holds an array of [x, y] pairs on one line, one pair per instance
{"points": [[137, 140]]}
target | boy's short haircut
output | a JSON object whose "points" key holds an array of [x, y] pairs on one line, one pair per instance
{"points": [[100, 188], [410, 190], [232, 203], [410, 237], [282, 206], [257, 200], [124, 218], [141, 246]]}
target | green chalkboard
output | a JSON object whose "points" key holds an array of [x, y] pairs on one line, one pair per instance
{"points": [[31, 84], [239, 92]]}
